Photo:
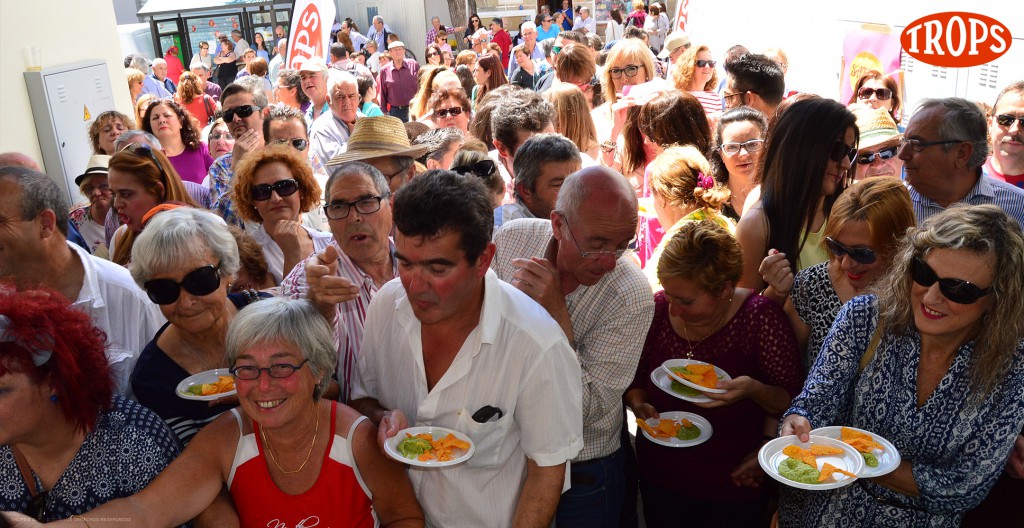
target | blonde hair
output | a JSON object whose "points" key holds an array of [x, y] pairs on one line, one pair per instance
{"points": [[626, 51], [684, 69], [572, 115], [882, 202], [675, 174]]}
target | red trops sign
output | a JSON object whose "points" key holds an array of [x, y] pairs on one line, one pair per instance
{"points": [[956, 39], [309, 36]]}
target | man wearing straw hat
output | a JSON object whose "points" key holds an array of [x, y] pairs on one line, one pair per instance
{"points": [[879, 143], [382, 142]]}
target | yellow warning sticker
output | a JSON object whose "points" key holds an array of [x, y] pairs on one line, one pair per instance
{"points": [[87, 115]]}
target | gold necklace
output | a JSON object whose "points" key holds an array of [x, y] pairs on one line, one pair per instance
{"points": [[715, 328], [316, 430]]}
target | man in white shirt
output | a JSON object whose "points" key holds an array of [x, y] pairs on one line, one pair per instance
{"points": [[34, 252], [450, 345], [328, 136], [584, 22]]}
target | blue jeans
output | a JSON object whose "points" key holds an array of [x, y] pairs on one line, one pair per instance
{"points": [[595, 498], [400, 113]]}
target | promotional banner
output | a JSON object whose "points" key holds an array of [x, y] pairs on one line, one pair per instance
{"points": [[310, 35], [682, 14], [864, 51]]}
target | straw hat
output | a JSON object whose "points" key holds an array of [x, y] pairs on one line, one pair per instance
{"points": [[375, 137], [98, 164], [876, 125], [672, 42]]}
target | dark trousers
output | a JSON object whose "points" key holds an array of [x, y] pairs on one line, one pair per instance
{"points": [[401, 112], [595, 498], [662, 509]]}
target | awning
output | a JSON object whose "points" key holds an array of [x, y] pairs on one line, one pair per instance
{"points": [[162, 7]]}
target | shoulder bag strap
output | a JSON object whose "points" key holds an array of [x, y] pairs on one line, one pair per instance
{"points": [[26, 472], [869, 354]]}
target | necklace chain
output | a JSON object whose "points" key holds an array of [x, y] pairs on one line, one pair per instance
{"points": [[715, 328], [316, 431]]}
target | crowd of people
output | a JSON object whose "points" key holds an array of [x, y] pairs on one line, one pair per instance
{"points": [[507, 236]]}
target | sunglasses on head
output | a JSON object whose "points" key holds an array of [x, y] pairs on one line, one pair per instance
{"points": [[1008, 119], [283, 188], [142, 149], [241, 111], [198, 282], [841, 150], [480, 169], [702, 63], [883, 94], [884, 154], [956, 290], [445, 112], [298, 143], [859, 255]]}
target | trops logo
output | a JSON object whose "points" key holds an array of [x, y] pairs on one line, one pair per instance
{"points": [[956, 39]]}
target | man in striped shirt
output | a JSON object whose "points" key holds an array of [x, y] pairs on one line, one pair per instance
{"points": [[343, 278]]}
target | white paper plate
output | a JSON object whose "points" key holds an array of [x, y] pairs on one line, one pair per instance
{"points": [[209, 376], [699, 421], [888, 460], [668, 365], [391, 446], [771, 455], [664, 382]]}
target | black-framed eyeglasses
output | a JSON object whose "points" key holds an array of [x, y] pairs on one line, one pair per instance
{"points": [[198, 282], [701, 63], [481, 169], [594, 255], [882, 94], [918, 146], [861, 255], [142, 149], [298, 144], [884, 154], [365, 206], [956, 290], [283, 188], [445, 112], [277, 370], [727, 96], [36, 508], [241, 111], [1007, 120], [89, 189], [841, 150], [630, 70], [429, 55], [751, 146]]}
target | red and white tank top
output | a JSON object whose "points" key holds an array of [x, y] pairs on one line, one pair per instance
{"points": [[338, 498]]}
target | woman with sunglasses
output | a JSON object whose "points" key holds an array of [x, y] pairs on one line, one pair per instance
{"points": [[738, 143], [287, 454], [67, 442], [272, 188], [450, 108], [180, 136], [140, 179], [934, 363], [432, 79], [695, 73], [805, 167], [863, 232], [878, 91], [471, 160], [471, 28], [433, 55]]}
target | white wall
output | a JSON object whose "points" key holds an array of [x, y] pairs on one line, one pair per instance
{"points": [[67, 31], [407, 18]]}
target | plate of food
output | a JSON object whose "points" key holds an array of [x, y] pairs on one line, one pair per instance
{"points": [[429, 446], [676, 429], [821, 463], [696, 374], [880, 456], [207, 386], [673, 387]]}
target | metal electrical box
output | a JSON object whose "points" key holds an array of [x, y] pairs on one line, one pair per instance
{"points": [[65, 101]]}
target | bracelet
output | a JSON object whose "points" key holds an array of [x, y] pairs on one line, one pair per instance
{"points": [[609, 146], [87, 525]]}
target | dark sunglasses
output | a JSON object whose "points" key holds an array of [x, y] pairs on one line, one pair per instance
{"points": [[702, 63], [445, 112], [1008, 119], [883, 94], [630, 71], [198, 282], [241, 111], [956, 290], [860, 255], [298, 143], [884, 154], [141, 149], [429, 55], [481, 169], [283, 188], [37, 506], [841, 150]]}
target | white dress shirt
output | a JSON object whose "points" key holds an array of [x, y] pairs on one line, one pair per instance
{"points": [[275, 256]]}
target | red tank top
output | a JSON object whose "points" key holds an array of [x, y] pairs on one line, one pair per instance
{"points": [[338, 499]]}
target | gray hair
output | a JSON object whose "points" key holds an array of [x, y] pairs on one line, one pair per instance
{"points": [[546, 46], [527, 26], [38, 193], [378, 18], [963, 121], [292, 321], [336, 77], [519, 110], [158, 62], [254, 85], [126, 137], [439, 141], [365, 169], [538, 150], [174, 239], [138, 62]]}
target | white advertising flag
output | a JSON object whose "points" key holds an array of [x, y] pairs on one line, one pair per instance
{"points": [[310, 35]]}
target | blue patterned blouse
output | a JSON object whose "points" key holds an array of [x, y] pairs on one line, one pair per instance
{"points": [[956, 450]]}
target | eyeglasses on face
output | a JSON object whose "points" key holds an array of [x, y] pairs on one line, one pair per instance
{"points": [[216, 136], [861, 255], [277, 370], [298, 144], [751, 146], [283, 188], [841, 150], [90, 188], [481, 169], [630, 70], [918, 146], [241, 111], [445, 112], [198, 282], [1007, 120], [364, 206], [432, 54], [882, 94], [956, 290], [594, 255], [884, 154], [701, 63]]}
